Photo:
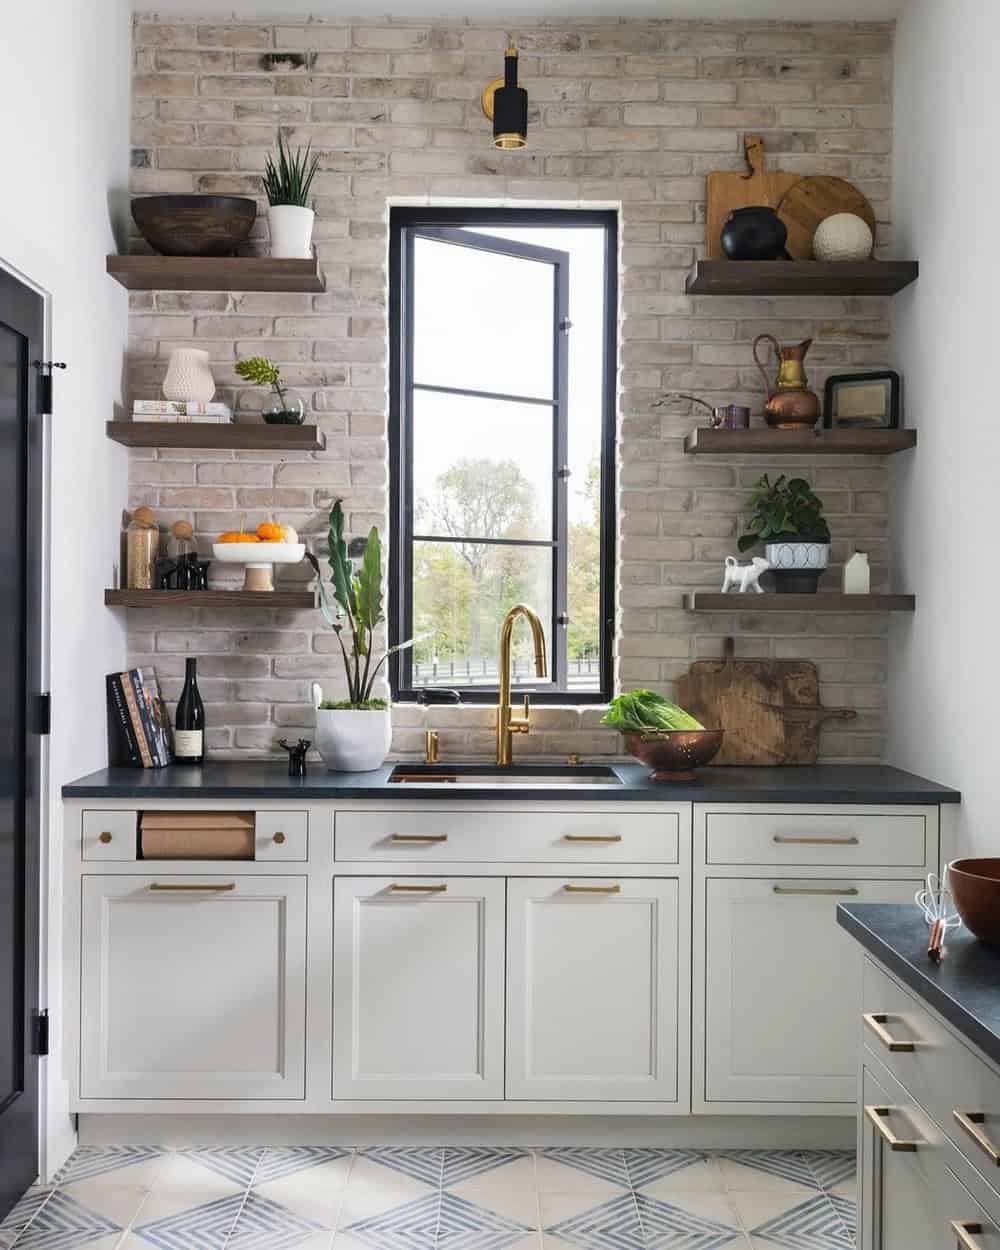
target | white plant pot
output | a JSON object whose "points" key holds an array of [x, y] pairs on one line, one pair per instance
{"points": [[791, 554], [291, 230], [349, 740], [189, 377]]}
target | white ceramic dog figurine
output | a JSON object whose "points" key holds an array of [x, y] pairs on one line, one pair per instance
{"points": [[744, 576]]}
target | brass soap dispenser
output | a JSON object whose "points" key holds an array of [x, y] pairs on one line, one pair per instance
{"points": [[790, 405]]}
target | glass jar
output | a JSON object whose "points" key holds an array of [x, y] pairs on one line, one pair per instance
{"points": [[285, 408], [142, 546]]}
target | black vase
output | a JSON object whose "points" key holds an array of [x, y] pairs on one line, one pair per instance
{"points": [[754, 233]]}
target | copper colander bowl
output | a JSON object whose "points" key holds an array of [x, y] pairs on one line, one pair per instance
{"points": [[975, 887], [673, 754]]}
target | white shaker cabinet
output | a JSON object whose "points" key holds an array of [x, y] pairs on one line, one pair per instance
{"points": [[418, 988], [595, 1008], [193, 987]]}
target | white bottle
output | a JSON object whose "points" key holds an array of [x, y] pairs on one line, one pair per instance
{"points": [[857, 575]]}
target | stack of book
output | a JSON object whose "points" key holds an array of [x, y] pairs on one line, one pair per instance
{"points": [[138, 726], [180, 410]]}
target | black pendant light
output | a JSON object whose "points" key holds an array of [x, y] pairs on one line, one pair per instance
{"points": [[507, 105]]}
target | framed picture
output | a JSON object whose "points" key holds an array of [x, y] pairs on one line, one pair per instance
{"points": [[862, 401]]}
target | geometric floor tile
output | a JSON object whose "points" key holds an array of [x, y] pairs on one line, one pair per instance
{"points": [[664, 1224], [63, 1223], [412, 1226], [264, 1225], [645, 1166], [816, 1224], [235, 1163], [462, 1162], [87, 1162], [279, 1163], [205, 1227], [788, 1165], [831, 1167], [606, 1165], [420, 1163], [25, 1210], [847, 1209], [613, 1225], [464, 1226]]}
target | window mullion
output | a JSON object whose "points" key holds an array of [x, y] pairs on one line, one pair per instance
{"points": [[560, 509]]}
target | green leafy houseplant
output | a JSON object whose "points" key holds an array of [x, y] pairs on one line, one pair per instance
{"points": [[260, 371], [355, 613], [783, 509], [289, 181]]}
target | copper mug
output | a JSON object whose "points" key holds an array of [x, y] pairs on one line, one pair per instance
{"points": [[790, 405]]}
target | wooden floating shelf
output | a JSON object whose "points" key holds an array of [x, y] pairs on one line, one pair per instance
{"points": [[215, 273], [234, 436], [209, 599], [800, 277], [704, 601], [795, 442]]}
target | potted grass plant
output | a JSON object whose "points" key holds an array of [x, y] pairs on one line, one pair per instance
{"points": [[354, 734], [788, 519], [287, 183]]}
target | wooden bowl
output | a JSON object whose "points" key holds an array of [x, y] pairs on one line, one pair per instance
{"points": [[975, 887], [194, 225], [674, 753]]}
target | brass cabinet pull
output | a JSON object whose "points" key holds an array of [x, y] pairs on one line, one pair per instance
{"points": [[206, 886], [398, 887], [789, 839], [967, 1231], [877, 1117], [876, 1021], [592, 837], [104, 837], [815, 889], [279, 837], [593, 889], [419, 837], [970, 1121]]}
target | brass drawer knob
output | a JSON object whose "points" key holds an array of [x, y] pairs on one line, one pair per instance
{"points": [[104, 837], [279, 837]]}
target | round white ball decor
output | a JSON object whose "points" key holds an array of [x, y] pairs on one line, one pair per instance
{"points": [[844, 236]]}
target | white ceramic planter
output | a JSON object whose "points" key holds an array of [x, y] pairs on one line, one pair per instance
{"points": [[351, 741], [189, 376], [291, 231], [796, 555]]}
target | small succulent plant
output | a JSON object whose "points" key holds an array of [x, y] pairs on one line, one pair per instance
{"points": [[262, 372]]}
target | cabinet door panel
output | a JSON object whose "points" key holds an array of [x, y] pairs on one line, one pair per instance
{"points": [[592, 990], [418, 988], [781, 989], [193, 987]]}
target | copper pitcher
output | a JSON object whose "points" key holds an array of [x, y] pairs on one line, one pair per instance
{"points": [[791, 405]]}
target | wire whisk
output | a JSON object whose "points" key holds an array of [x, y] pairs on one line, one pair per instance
{"points": [[935, 901]]}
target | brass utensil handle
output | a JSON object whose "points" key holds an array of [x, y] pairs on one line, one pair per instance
{"points": [[398, 887], [789, 839], [970, 1122], [200, 886], [967, 1231], [815, 889], [419, 837], [593, 889], [877, 1117], [592, 837], [876, 1021]]}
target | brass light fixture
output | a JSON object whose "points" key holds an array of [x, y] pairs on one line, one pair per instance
{"points": [[506, 105]]}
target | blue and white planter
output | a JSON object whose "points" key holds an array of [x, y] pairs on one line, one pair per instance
{"points": [[797, 564]]}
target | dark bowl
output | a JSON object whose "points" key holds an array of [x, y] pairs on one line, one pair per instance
{"points": [[674, 753], [975, 887], [194, 225]]}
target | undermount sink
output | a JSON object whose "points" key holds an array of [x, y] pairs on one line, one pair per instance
{"points": [[486, 775]]}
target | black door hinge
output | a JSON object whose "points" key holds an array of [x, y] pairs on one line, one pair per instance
{"points": [[45, 368], [565, 325], [40, 1033], [43, 714]]}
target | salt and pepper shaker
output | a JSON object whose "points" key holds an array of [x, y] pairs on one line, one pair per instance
{"points": [[296, 755]]}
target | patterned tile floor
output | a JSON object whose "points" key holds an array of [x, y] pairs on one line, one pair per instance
{"points": [[439, 1198]]}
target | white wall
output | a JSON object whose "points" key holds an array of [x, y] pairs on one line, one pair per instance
{"points": [[945, 677], [64, 101]]}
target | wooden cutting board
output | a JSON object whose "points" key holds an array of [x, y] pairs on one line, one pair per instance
{"points": [[812, 200], [769, 709], [725, 191]]}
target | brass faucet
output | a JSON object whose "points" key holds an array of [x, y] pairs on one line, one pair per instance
{"points": [[507, 723]]}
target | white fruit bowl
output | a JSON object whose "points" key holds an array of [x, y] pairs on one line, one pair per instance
{"points": [[259, 560]]}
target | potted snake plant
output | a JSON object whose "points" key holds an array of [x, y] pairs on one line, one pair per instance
{"points": [[788, 519], [287, 183]]}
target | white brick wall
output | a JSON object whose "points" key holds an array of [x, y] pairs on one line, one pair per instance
{"points": [[624, 112]]}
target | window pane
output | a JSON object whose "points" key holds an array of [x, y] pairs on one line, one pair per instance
{"points": [[461, 593], [482, 468], [482, 322], [583, 581]]}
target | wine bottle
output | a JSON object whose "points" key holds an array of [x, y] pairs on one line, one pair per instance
{"points": [[189, 731]]}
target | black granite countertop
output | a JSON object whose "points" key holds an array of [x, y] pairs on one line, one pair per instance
{"points": [[824, 783], [964, 987]]}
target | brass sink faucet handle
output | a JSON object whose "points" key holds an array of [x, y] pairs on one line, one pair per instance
{"points": [[507, 723]]}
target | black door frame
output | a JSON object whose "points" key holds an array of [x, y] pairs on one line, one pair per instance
{"points": [[22, 309]]}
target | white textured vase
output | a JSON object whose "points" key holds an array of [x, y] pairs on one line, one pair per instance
{"points": [[291, 231], [351, 740], [189, 377]]}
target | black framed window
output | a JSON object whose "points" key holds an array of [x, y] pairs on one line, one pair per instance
{"points": [[502, 376]]}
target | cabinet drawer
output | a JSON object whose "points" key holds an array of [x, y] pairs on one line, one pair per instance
{"points": [[109, 835], [282, 836], [959, 1089], [840, 837], [449, 835]]}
